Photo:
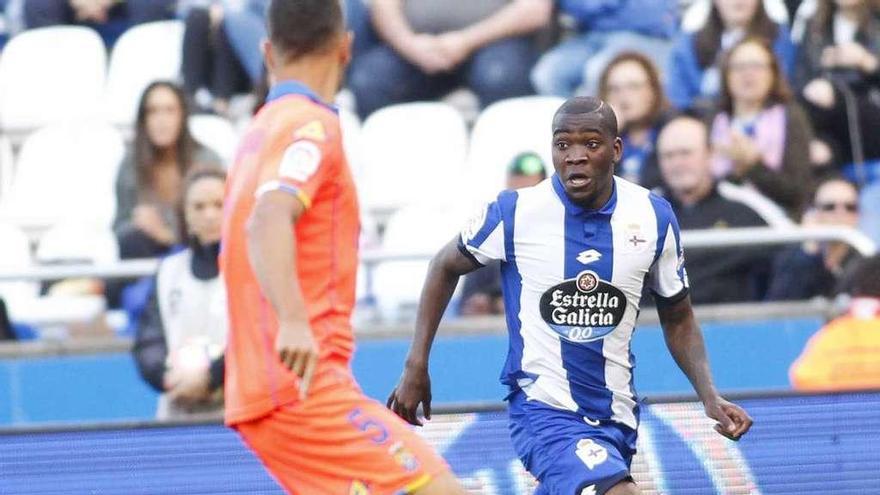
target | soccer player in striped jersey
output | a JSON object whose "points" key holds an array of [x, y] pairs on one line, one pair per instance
{"points": [[576, 251]]}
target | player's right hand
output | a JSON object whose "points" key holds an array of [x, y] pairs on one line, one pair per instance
{"points": [[298, 352], [414, 389]]}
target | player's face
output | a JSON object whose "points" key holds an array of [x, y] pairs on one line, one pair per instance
{"points": [[164, 117], [204, 209], [584, 154]]}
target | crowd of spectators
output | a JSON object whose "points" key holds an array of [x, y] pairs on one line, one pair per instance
{"points": [[744, 104]]}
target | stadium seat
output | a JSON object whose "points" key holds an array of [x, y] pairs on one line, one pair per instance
{"points": [[769, 211], [143, 54], [7, 163], [78, 243], [415, 229], [217, 134], [65, 172], [696, 14], [412, 152], [351, 140], [15, 254], [503, 130], [805, 11], [51, 75]]}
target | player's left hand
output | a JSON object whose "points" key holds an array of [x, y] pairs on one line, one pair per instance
{"points": [[733, 421]]}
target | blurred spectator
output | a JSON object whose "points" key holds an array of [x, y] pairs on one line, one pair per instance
{"points": [[181, 335], [431, 47], [6, 331], [839, 76], [693, 77], [244, 22], [212, 73], [481, 293], [845, 353], [761, 137], [631, 84], [150, 175], [109, 17], [686, 164], [604, 29], [4, 25], [820, 269]]}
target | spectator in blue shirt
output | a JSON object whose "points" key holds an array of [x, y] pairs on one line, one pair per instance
{"points": [[604, 29], [109, 17], [692, 78]]}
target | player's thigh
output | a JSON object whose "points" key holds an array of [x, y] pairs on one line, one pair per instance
{"points": [[626, 487], [334, 443], [444, 484]]}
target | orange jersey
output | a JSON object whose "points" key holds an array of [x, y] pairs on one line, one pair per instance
{"points": [[294, 145]]}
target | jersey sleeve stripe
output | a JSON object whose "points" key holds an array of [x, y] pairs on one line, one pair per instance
{"points": [[277, 185]]}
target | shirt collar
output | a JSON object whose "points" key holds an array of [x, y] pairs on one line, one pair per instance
{"points": [[293, 87], [570, 207]]}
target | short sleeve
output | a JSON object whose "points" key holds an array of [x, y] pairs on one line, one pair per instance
{"points": [[668, 280], [302, 166], [482, 239]]}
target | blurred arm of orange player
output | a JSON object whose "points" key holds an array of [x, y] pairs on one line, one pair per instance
{"points": [[272, 252]]}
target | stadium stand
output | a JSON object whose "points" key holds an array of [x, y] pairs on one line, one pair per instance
{"points": [[143, 54], [412, 152], [84, 154], [50, 75], [215, 133]]}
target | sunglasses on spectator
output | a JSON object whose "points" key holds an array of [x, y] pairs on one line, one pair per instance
{"points": [[846, 206]]}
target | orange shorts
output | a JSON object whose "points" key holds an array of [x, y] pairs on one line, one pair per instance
{"points": [[339, 442]]}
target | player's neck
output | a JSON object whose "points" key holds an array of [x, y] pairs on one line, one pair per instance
{"points": [[319, 74]]}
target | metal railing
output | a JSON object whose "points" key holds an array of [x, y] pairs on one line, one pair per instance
{"points": [[692, 239]]}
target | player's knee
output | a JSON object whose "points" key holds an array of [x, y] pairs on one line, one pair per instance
{"points": [[625, 487], [445, 484]]}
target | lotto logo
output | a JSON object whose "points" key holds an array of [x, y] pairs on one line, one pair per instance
{"points": [[590, 490], [358, 488]]}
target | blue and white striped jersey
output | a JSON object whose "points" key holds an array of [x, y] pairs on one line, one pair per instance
{"points": [[572, 281]]}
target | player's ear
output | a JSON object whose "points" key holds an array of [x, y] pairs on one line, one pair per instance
{"points": [[268, 55], [345, 46], [618, 149]]}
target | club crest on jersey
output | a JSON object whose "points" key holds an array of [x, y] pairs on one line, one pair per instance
{"points": [[584, 308]]}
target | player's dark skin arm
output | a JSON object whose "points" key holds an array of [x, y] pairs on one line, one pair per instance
{"points": [[685, 342], [415, 383]]}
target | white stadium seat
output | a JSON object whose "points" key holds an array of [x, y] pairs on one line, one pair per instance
{"points": [[502, 131], [217, 134], [351, 140], [143, 54], [7, 163], [415, 229], [51, 75], [15, 254], [65, 172], [696, 14], [411, 153], [78, 242]]}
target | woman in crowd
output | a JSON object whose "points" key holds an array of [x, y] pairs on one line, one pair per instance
{"points": [[760, 135], [820, 268], [839, 76], [693, 78], [181, 335], [631, 84], [151, 173]]}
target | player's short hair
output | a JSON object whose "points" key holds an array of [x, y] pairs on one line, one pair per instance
{"points": [[302, 27], [590, 104], [866, 280]]}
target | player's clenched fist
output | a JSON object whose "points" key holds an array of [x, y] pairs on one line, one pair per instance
{"points": [[733, 421], [298, 351], [414, 389]]}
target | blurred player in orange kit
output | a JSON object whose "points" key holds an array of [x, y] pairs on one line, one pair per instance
{"points": [[289, 261]]}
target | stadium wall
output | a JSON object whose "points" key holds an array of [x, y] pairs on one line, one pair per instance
{"points": [[752, 355], [799, 445]]}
